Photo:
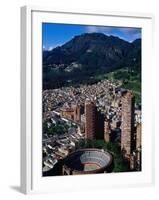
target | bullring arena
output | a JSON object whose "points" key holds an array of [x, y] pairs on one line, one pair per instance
{"points": [[88, 161]]}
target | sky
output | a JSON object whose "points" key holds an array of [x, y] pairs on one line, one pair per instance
{"points": [[57, 34]]}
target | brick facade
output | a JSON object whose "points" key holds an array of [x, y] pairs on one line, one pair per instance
{"points": [[90, 120], [107, 131], [127, 126]]}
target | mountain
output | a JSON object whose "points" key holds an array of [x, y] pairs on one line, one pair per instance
{"points": [[137, 43], [89, 54], [134, 56]]}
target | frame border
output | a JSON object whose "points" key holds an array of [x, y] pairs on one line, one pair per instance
{"points": [[26, 82]]}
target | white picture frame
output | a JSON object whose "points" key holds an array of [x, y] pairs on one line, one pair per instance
{"points": [[31, 95]]}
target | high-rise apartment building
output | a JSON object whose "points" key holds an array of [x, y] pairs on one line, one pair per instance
{"points": [[107, 131], [138, 136], [90, 119], [127, 126]]}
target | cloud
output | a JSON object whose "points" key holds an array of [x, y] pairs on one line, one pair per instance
{"points": [[50, 48], [91, 29], [132, 31], [126, 33]]}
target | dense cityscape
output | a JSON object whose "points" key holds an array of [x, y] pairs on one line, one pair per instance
{"points": [[103, 112]]}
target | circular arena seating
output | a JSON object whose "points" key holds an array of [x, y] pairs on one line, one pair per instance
{"points": [[88, 160]]}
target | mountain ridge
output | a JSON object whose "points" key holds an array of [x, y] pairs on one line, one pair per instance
{"points": [[91, 53]]}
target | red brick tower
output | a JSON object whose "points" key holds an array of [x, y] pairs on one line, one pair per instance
{"points": [[90, 119], [127, 126]]}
